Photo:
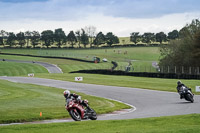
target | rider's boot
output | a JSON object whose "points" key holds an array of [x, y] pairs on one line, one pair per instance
{"points": [[89, 108]]}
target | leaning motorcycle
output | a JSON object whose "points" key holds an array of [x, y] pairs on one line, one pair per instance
{"points": [[187, 94], [78, 112]]}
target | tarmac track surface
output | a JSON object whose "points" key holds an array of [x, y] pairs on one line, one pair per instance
{"points": [[147, 103]]}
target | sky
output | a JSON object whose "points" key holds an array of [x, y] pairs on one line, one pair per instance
{"points": [[121, 17]]}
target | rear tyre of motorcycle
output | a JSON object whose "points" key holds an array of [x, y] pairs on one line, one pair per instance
{"points": [[75, 115], [94, 115]]}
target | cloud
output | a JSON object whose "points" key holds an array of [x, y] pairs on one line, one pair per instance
{"points": [[118, 16], [60, 10], [21, 1], [119, 26], [150, 8], [44, 10]]}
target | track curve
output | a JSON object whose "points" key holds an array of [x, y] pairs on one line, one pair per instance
{"points": [[149, 103]]}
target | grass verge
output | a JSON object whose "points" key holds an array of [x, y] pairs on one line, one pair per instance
{"points": [[125, 81], [24, 102], [71, 65], [16, 69], [170, 124], [118, 54]]}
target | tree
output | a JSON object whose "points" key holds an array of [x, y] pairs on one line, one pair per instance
{"points": [[78, 35], [186, 50], [59, 37], [11, 39], [148, 37], [47, 38], [72, 38], [35, 38], [84, 38], [28, 36], [196, 49], [160, 37], [20, 38], [91, 32], [2, 37], [111, 39], [135, 37], [1, 41], [173, 35], [100, 39]]}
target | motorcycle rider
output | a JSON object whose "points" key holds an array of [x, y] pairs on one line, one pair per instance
{"points": [[68, 96], [179, 85]]}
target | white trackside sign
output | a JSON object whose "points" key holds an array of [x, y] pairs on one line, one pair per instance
{"points": [[197, 88], [78, 78], [31, 74]]}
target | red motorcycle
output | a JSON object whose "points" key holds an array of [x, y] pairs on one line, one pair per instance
{"points": [[78, 112]]}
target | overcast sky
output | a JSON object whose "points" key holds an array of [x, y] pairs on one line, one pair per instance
{"points": [[118, 16]]}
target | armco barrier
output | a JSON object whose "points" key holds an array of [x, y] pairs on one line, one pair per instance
{"points": [[141, 74]]}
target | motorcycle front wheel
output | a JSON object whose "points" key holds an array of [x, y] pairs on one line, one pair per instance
{"points": [[94, 115], [75, 115], [190, 97]]}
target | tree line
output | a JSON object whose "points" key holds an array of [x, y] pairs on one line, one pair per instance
{"points": [[86, 36], [185, 51], [149, 37], [58, 37]]}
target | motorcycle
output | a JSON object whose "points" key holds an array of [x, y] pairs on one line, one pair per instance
{"points": [[78, 112], [187, 94]]}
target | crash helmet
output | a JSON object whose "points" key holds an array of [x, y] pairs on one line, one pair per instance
{"points": [[85, 101], [179, 83], [66, 93]]}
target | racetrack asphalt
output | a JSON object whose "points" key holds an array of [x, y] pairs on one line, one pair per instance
{"points": [[50, 67], [147, 103]]}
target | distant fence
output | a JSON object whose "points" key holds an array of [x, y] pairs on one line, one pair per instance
{"points": [[140, 74], [153, 69], [180, 70], [149, 71]]}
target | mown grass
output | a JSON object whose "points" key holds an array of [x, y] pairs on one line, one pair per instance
{"points": [[125, 81], [141, 57], [170, 124], [16, 69], [70, 65], [118, 54], [24, 102]]}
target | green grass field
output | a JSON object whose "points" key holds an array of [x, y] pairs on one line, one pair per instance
{"points": [[133, 53], [141, 57], [29, 100], [172, 124], [24, 102], [125, 81], [16, 69]]}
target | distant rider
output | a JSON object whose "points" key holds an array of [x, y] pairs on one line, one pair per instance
{"points": [[68, 96], [179, 85], [114, 65]]}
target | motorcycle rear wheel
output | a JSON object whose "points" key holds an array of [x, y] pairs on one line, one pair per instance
{"points": [[75, 115]]}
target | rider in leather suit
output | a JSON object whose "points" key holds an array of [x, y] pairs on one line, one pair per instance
{"points": [[68, 96], [179, 85]]}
